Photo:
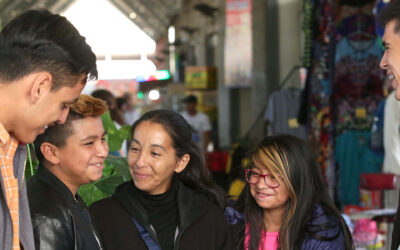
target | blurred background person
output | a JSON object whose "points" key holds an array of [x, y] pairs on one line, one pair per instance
{"points": [[111, 101], [200, 123], [131, 113], [115, 114], [122, 104]]}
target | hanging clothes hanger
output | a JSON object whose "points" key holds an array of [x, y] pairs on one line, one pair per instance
{"points": [[288, 76], [261, 115]]}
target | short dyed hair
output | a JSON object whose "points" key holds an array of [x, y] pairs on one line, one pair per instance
{"points": [[85, 106], [389, 13], [38, 40]]}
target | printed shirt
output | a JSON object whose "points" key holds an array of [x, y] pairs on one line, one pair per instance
{"points": [[8, 146]]}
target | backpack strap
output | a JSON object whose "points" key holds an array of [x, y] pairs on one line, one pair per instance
{"points": [[146, 237]]}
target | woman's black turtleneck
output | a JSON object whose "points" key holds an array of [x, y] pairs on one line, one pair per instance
{"points": [[162, 212]]}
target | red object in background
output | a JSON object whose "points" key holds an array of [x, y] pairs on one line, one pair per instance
{"points": [[217, 161], [372, 186], [371, 199], [352, 209], [378, 181]]}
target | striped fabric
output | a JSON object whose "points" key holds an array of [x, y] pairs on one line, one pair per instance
{"points": [[8, 146]]}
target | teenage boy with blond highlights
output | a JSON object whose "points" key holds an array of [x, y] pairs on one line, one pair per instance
{"points": [[70, 155]]}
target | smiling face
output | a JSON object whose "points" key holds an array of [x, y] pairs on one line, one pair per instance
{"points": [[269, 199], [152, 159], [81, 159], [52, 107], [391, 58]]}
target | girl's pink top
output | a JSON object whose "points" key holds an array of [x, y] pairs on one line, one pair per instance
{"points": [[269, 240]]}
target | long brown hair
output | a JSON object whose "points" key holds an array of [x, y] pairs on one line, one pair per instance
{"points": [[276, 163], [292, 159], [196, 174]]}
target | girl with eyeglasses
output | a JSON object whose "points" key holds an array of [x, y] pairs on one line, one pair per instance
{"points": [[285, 202]]}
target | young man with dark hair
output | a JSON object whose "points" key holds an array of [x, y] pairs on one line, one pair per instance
{"points": [[70, 155], [44, 65], [390, 18]]}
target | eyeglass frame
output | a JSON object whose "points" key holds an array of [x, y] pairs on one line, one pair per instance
{"points": [[259, 176]]}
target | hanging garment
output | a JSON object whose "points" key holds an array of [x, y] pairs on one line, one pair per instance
{"points": [[357, 50], [353, 157], [282, 110]]}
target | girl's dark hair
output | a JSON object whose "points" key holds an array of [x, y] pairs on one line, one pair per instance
{"points": [[291, 158], [196, 174]]}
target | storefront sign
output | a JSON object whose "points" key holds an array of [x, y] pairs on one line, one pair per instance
{"points": [[238, 44]]}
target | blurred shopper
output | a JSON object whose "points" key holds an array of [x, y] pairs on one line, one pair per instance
{"points": [[171, 201], [390, 18], [44, 65], [285, 201], [200, 123], [115, 114], [111, 101], [70, 155], [122, 104], [131, 113]]}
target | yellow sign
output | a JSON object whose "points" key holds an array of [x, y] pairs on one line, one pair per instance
{"points": [[293, 123], [201, 77], [361, 113]]}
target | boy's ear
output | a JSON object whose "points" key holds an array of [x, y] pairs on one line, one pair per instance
{"points": [[41, 85], [182, 163], [50, 153]]}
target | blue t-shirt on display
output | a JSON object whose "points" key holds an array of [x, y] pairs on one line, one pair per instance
{"points": [[353, 156]]}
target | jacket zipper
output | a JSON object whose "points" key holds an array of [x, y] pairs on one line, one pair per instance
{"points": [[93, 231]]}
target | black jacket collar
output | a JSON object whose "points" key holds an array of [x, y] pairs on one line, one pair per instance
{"points": [[44, 175], [191, 204]]}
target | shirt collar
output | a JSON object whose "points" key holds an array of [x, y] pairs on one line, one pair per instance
{"points": [[4, 135]]}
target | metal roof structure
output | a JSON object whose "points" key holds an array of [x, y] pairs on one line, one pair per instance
{"points": [[152, 16]]}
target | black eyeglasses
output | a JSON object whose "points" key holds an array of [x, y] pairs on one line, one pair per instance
{"points": [[253, 177]]}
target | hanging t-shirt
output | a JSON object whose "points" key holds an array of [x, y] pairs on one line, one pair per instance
{"points": [[357, 88], [359, 22], [355, 113], [200, 123], [354, 157], [357, 72], [357, 50], [358, 78], [282, 111]]}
